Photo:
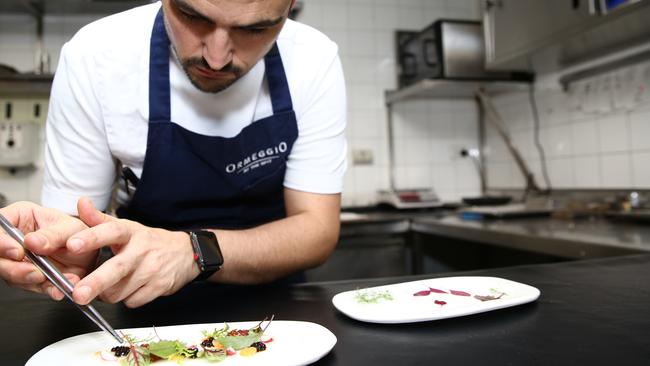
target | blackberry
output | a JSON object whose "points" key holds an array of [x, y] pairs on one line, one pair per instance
{"points": [[207, 342], [192, 352], [120, 351], [259, 346]]}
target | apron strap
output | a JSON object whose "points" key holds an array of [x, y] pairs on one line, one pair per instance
{"points": [[277, 80], [159, 91]]}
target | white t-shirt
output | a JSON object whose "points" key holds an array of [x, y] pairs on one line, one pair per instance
{"points": [[99, 108]]}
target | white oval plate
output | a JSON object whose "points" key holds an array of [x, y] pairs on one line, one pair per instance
{"points": [[407, 308], [294, 343]]}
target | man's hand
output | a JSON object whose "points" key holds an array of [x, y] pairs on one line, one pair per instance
{"points": [[148, 262], [46, 232]]}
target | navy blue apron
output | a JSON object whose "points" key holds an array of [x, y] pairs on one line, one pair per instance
{"points": [[192, 181]]}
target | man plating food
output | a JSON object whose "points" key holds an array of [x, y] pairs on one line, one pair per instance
{"points": [[221, 123]]}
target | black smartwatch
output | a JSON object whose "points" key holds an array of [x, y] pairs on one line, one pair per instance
{"points": [[207, 253]]}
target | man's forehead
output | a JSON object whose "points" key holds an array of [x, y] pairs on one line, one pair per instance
{"points": [[237, 9]]}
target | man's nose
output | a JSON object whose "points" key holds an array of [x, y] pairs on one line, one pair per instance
{"points": [[217, 48]]}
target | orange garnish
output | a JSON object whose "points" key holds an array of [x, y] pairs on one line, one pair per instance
{"points": [[248, 351]]}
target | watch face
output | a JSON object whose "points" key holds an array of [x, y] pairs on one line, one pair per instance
{"points": [[210, 258]]}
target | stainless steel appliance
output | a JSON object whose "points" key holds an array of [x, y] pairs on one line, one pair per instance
{"points": [[573, 32], [447, 49]]}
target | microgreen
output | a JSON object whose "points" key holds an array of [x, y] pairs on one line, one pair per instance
{"points": [[372, 297], [239, 338], [143, 351], [138, 355]]}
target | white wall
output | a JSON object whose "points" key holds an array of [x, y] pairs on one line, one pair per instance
{"points": [[18, 49], [596, 135], [18, 38], [428, 135]]}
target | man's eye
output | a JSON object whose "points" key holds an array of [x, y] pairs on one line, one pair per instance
{"points": [[189, 16], [255, 30]]}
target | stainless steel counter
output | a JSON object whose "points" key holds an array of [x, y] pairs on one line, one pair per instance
{"points": [[573, 239], [583, 238], [392, 223]]}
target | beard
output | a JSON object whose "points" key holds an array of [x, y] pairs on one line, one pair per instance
{"points": [[229, 74]]}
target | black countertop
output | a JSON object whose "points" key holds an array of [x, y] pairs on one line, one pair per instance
{"points": [[592, 312]]}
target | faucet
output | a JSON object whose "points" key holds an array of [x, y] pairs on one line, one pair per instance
{"points": [[475, 155]]}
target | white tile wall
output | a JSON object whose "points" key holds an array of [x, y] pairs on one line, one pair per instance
{"points": [[640, 130], [429, 135], [640, 170], [616, 170], [18, 38], [592, 139], [586, 172], [585, 137], [18, 49]]}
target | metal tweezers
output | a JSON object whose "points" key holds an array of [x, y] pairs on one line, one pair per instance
{"points": [[57, 278]]}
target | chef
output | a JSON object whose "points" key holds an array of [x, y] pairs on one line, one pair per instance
{"points": [[221, 125]]}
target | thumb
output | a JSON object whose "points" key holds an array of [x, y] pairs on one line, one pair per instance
{"points": [[89, 214]]}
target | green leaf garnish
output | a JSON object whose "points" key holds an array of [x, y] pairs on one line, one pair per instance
{"points": [[239, 338], [165, 349], [372, 296]]}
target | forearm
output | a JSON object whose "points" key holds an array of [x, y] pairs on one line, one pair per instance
{"points": [[151, 262], [271, 251]]}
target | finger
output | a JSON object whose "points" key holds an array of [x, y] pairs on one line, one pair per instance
{"points": [[109, 233], [30, 288], [20, 215], [142, 296], [20, 273], [10, 249], [45, 230], [90, 215], [128, 285], [121, 290], [54, 237], [48, 288], [103, 278]]}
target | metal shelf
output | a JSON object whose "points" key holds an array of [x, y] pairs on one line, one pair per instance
{"points": [[26, 85], [442, 89], [452, 89], [67, 7]]}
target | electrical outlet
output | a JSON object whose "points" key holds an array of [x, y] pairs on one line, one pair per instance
{"points": [[24, 110], [362, 157], [38, 109], [18, 143]]}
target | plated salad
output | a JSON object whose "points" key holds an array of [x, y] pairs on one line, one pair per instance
{"points": [[215, 346]]}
